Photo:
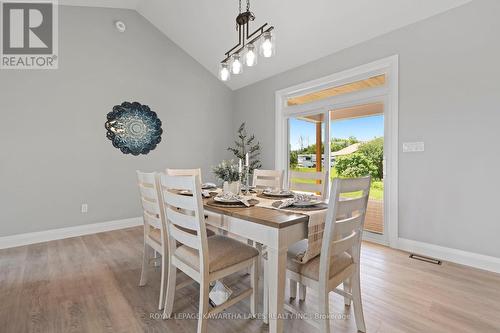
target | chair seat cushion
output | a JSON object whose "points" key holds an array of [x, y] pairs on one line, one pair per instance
{"points": [[311, 268], [223, 252], [155, 234]]}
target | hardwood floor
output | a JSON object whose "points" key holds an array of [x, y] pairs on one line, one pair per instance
{"points": [[90, 284]]}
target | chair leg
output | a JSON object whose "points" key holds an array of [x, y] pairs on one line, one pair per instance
{"points": [[260, 248], [347, 288], [302, 292], [356, 300], [265, 310], [252, 244], [203, 307], [324, 309], [255, 287], [145, 263], [293, 288], [170, 295], [162, 281]]}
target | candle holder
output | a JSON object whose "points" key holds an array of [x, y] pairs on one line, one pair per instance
{"points": [[245, 180], [247, 174]]}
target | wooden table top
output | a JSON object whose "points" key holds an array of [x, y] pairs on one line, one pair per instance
{"points": [[261, 215]]}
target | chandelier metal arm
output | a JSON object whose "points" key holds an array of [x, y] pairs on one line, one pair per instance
{"points": [[261, 29], [243, 39]]}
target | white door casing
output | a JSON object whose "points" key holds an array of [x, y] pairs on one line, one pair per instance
{"points": [[388, 94]]}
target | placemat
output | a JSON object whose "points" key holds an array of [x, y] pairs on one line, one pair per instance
{"points": [[212, 194], [212, 202], [263, 196], [320, 206]]}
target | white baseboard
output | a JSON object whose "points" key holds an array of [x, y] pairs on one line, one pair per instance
{"points": [[54, 234], [475, 260]]}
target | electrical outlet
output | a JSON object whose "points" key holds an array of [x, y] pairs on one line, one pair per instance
{"points": [[85, 208]]}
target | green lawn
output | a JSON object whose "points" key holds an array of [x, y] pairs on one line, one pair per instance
{"points": [[376, 190]]}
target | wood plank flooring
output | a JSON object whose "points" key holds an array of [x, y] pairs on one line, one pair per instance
{"points": [[90, 284]]}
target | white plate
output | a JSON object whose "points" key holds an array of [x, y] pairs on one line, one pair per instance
{"points": [[278, 194], [220, 199], [306, 203], [186, 192]]}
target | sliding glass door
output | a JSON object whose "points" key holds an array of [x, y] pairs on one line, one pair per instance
{"points": [[354, 115], [344, 142], [357, 149]]}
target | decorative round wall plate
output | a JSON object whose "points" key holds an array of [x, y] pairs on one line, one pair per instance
{"points": [[133, 128]]}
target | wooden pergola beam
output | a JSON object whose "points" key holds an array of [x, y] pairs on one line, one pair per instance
{"points": [[318, 146]]}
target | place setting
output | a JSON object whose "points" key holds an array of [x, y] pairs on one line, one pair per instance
{"points": [[302, 202], [270, 193], [229, 199]]}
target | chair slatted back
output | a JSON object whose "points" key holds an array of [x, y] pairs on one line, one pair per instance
{"points": [[344, 220], [268, 178], [151, 203], [184, 212], [298, 181], [184, 172]]}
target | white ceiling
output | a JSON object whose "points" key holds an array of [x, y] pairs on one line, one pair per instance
{"points": [[128, 4], [305, 30]]}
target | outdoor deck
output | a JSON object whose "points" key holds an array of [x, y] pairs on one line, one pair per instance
{"points": [[374, 220]]}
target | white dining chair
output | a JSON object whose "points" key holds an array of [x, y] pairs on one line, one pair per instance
{"points": [[268, 178], [155, 236], [204, 259], [339, 261], [301, 182]]}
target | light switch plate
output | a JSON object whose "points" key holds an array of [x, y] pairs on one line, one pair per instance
{"points": [[413, 147], [85, 208]]}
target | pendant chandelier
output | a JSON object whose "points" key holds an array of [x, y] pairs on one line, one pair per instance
{"points": [[245, 52]]}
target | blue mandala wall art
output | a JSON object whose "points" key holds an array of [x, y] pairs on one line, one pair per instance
{"points": [[133, 128]]}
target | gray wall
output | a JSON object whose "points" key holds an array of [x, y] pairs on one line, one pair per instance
{"points": [[54, 154], [449, 98]]}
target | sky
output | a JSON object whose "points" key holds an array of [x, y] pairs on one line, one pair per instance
{"points": [[364, 129]]}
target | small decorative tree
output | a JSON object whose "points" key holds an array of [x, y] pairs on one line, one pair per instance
{"points": [[244, 145]]}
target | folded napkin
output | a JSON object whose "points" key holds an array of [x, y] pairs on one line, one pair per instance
{"points": [[232, 196], [287, 203], [297, 197], [205, 193], [244, 201]]}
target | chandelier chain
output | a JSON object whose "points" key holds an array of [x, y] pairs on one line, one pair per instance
{"points": [[248, 6]]}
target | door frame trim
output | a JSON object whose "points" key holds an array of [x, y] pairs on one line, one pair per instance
{"points": [[388, 66]]}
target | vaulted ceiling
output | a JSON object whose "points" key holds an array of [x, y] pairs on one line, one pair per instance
{"points": [[305, 30]]}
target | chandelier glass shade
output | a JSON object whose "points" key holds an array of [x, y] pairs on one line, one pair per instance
{"points": [[268, 45], [236, 65], [224, 72], [250, 55], [250, 45]]}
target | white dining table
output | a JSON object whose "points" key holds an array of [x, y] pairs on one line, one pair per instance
{"points": [[275, 229]]}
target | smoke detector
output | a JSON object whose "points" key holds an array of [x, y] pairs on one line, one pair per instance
{"points": [[120, 26]]}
